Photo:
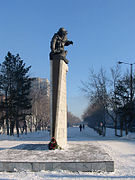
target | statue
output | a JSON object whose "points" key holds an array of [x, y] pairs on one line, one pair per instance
{"points": [[58, 42]]}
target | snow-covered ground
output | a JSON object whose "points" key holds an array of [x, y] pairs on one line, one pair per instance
{"points": [[122, 151]]}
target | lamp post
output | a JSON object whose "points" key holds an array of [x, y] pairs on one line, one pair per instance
{"points": [[131, 78]]}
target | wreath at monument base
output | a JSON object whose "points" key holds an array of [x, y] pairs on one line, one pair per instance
{"points": [[53, 144]]}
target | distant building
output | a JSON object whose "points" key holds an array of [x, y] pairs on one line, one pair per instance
{"points": [[42, 84]]}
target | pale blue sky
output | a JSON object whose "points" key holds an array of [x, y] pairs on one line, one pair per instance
{"points": [[103, 32]]}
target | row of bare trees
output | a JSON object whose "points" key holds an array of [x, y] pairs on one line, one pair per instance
{"points": [[72, 119], [110, 100]]}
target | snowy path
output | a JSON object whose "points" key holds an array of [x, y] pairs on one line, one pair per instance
{"points": [[122, 151]]}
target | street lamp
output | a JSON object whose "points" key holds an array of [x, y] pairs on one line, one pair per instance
{"points": [[131, 78]]}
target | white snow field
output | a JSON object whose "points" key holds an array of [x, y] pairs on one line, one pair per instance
{"points": [[121, 150]]}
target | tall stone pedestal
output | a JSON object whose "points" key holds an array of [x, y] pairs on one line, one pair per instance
{"points": [[59, 101]]}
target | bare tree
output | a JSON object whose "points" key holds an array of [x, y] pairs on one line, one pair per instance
{"points": [[111, 97], [96, 90], [112, 100], [40, 112]]}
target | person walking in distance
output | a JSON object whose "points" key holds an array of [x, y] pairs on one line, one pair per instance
{"points": [[80, 127]]}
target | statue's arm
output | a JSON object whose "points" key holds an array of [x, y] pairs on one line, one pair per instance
{"points": [[67, 43]]}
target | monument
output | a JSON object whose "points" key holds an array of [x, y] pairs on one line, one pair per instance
{"points": [[58, 71], [86, 156]]}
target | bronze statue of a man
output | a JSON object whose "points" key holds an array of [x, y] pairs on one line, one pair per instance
{"points": [[58, 42]]}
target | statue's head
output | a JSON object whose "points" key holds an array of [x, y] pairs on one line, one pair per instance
{"points": [[62, 32]]}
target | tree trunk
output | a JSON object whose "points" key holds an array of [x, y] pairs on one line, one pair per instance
{"points": [[25, 126], [121, 127], [130, 122], [7, 122], [126, 128], [115, 127], [7, 126], [104, 130], [17, 127], [11, 128]]}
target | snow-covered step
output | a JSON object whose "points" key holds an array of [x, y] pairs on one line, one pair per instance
{"points": [[35, 156]]}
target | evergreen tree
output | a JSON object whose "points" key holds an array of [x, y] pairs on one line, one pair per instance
{"points": [[15, 85]]}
